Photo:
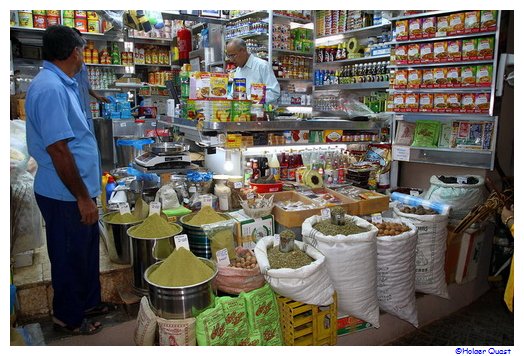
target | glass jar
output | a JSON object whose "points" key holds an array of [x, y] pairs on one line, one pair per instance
{"points": [[235, 183], [223, 193]]}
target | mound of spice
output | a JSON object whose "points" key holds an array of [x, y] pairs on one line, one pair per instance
{"points": [[292, 259], [127, 218], [206, 215], [348, 228], [182, 268], [154, 227], [141, 210]]}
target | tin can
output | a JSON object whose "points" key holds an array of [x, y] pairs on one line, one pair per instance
{"points": [[25, 18], [39, 21]]}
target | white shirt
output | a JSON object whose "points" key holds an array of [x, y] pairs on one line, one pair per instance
{"points": [[257, 70]]}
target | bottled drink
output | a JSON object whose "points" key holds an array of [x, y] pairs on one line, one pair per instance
{"points": [[256, 170], [248, 172], [263, 166], [274, 166], [284, 163]]}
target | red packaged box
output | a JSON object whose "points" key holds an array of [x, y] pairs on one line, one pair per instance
{"points": [[454, 50], [401, 54], [453, 102], [440, 51], [401, 79], [425, 102], [414, 78], [428, 80], [440, 76], [439, 102], [453, 79], [413, 53], [482, 102], [456, 24], [411, 102], [426, 53], [399, 102], [429, 27], [402, 30], [415, 29], [472, 22], [467, 103]]}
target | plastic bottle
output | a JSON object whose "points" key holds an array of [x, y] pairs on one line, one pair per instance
{"points": [[223, 193], [248, 172], [274, 167]]}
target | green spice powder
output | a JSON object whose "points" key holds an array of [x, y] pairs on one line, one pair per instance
{"points": [[181, 268], [293, 259], [154, 227], [349, 228], [206, 215], [127, 218]]}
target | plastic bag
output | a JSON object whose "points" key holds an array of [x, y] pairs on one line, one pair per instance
{"points": [[19, 155], [168, 197], [221, 235], [235, 280], [354, 107], [426, 133], [308, 284]]}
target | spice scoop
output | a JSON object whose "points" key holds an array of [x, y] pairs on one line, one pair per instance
{"points": [[287, 241]]}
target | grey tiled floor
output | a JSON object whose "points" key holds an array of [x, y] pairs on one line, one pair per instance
{"points": [[485, 322]]}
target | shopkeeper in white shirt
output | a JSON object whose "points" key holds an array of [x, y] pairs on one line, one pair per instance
{"points": [[254, 69]]}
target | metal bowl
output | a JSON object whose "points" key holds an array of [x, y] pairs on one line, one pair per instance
{"points": [[181, 302], [166, 148]]}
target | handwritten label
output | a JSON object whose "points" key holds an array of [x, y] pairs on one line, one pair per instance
{"points": [[154, 208], [192, 189], [182, 241], [206, 200], [414, 193], [123, 208], [462, 180], [326, 213], [376, 218], [223, 257], [276, 240], [153, 124], [237, 185], [123, 124], [250, 196], [401, 153]]}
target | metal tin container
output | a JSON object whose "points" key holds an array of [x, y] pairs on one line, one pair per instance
{"points": [[181, 302], [199, 244], [116, 239]]}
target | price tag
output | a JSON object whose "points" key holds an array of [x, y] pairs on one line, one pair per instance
{"points": [[462, 180], [123, 124], [276, 239], [181, 241], [123, 208], [153, 124], [206, 200], [376, 218], [238, 185], [326, 213], [154, 208], [192, 189], [414, 193], [223, 257], [250, 196], [401, 153]]}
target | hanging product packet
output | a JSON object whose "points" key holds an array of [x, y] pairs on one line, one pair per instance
{"points": [[426, 133], [221, 235]]}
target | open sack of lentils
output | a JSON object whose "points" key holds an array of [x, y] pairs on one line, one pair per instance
{"points": [[294, 270]]}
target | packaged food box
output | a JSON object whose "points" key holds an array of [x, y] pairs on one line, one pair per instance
{"points": [[440, 77], [439, 102], [402, 30], [239, 89], [412, 102], [218, 84], [413, 53], [414, 78], [484, 75], [456, 24], [401, 79], [488, 20], [221, 110], [426, 102], [426, 52], [399, 102], [299, 136], [453, 77], [401, 54], [428, 80], [429, 27], [199, 85], [472, 22], [247, 140], [248, 230], [485, 48], [233, 140], [469, 49], [415, 28], [440, 51], [442, 26], [241, 110], [468, 76], [467, 103], [453, 102], [258, 93], [454, 50], [198, 110], [332, 135], [482, 102]]}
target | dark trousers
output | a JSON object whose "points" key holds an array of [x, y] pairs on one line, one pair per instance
{"points": [[74, 253]]}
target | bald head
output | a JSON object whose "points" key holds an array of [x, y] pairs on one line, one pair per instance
{"points": [[237, 52]]}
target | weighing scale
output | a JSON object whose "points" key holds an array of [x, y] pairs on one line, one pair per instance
{"points": [[154, 161]]}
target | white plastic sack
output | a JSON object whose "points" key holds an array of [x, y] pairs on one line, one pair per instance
{"points": [[309, 284], [430, 277], [352, 265], [461, 197], [168, 197], [396, 273]]}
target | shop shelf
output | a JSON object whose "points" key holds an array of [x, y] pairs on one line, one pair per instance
{"points": [[352, 60], [296, 53], [153, 65], [356, 86], [306, 324], [409, 116], [437, 39], [108, 65], [424, 14], [256, 35], [441, 90], [291, 19], [258, 14], [310, 81], [438, 64], [149, 40], [351, 33]]}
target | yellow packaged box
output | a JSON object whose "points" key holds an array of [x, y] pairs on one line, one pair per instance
{"points": [[333, 135], [220, 110], [218, 85]]}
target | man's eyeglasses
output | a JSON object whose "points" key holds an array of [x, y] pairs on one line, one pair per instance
{"points": [[232, 55]]}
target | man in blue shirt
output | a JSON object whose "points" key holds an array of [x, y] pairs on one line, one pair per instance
{"points": [[254, 69], [67, 181]]}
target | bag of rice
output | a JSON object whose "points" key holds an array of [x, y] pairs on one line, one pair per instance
{"points": [[145, 331]]}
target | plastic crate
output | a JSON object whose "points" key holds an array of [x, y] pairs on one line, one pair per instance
{"points": [[306, 324]]}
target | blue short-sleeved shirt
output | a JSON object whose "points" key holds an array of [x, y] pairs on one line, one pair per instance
{"points": [[54, 113], [83, 90]]}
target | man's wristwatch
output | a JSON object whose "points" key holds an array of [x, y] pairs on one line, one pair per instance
{"points": [[507, 220]]}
